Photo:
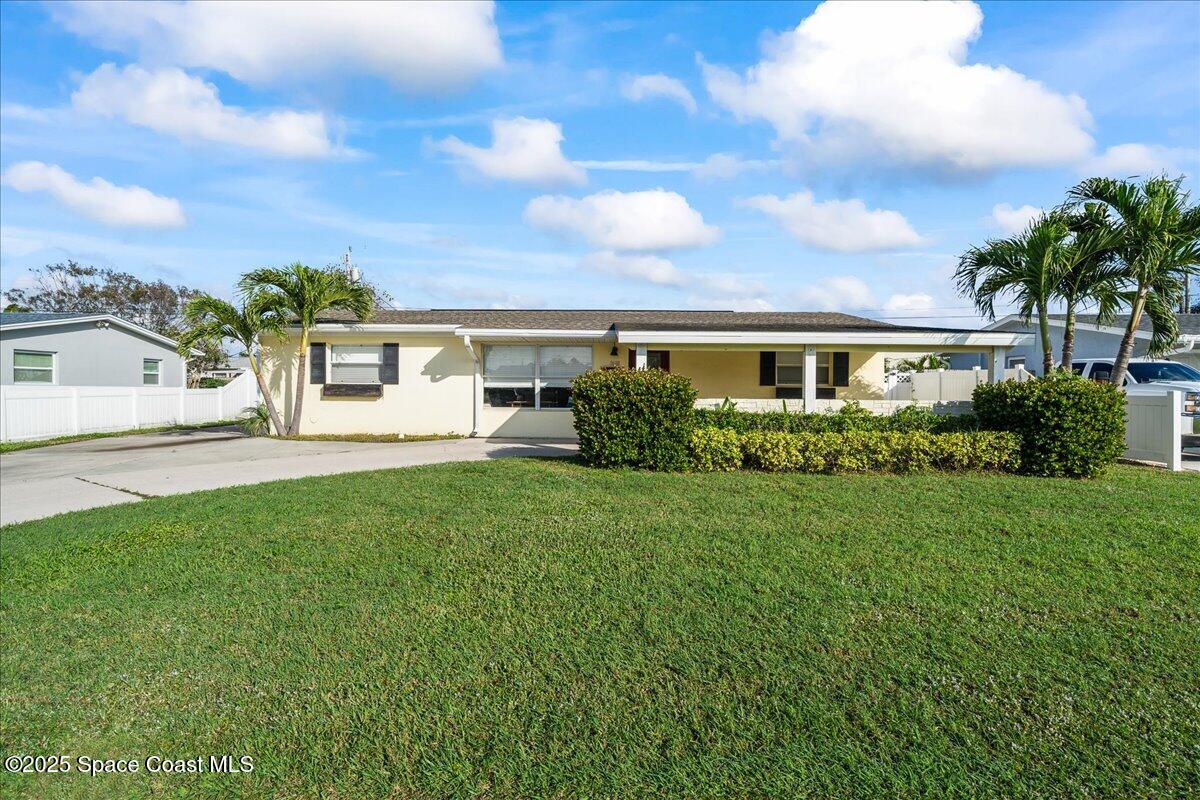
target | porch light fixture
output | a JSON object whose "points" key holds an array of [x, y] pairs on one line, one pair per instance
{"points": [[613, 352]]}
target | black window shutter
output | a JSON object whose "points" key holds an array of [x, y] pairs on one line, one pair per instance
{"points": [[766, 368], [390, 371], [632, 357], [665, 361], [841, 369], [316, 362]]}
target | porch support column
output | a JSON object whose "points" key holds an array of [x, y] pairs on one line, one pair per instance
{"points": [[639, 357], [996, 373], [810, 377]]}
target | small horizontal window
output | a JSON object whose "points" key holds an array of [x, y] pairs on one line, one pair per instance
{"points": [[355, 363], [32, 367], [509, 397]]}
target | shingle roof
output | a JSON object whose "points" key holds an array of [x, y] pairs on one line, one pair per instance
{"points": [[601, 319], [22, 317], [1188, 323]]}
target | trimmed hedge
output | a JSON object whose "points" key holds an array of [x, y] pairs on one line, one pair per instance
{"points": [[1068, 425], [640, 418], [856, 451], [850, 417], [716, 450]]}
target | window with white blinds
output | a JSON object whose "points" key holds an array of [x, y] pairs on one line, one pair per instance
{"points": [[355, 363], [532, 376]]}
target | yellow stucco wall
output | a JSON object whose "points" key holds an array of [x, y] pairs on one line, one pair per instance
{"points": [[436, 393]]}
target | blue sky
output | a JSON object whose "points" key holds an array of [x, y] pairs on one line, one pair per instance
{"points": [[792, 156]]}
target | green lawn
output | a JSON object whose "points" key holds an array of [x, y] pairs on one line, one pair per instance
{"points": [[526, 628]]}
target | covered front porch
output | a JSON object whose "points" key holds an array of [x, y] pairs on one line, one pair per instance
{"points": [[810, 372]]}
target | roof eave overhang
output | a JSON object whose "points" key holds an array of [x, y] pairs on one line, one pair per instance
{"points": [[109, 318], [890, 338]]}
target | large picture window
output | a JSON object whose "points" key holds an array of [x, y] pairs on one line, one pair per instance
{"points": [[789, 368], [31, 367], [529, 376], [355, 363]]}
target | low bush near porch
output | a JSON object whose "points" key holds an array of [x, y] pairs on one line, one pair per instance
{"points": [[627, 418], [722, 450]]}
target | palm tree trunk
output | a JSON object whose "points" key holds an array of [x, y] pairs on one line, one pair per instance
{"points": [[1068, 348], [298, 403], [276, 422], [1047, 345], [1125, 351]]}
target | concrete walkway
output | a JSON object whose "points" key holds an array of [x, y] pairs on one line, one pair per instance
{"points": [[69, 477]]}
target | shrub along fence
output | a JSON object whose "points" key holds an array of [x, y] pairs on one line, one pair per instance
{"points": [[1062, 425]]}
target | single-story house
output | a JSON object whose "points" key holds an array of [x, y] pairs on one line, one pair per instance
{"points": [[1092, 340], [85, 349], [508, 372]]}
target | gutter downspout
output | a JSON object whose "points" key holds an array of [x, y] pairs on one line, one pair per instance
{"points": [[466, 338]]}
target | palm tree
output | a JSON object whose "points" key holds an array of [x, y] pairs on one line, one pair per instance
{"points": [[1092, 272], [1160, 248], [303, 294], [929, 361], [210, 318], [1027, 266]]}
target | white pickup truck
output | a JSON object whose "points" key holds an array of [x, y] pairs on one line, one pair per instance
{"points": [[1148, 376]]}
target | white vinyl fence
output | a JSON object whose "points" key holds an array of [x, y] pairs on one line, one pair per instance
{"points": [[952, 385], [43, 412], [1154, 429]]}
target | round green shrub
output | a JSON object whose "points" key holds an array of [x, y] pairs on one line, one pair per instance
{"points": [[642, 418], [1068, 426]]}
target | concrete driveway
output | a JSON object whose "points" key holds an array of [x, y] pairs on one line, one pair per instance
{"points": [[69, 477]]}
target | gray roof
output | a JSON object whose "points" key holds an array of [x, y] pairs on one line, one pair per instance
{"points": [[1188, 323], [600, 319], [23, 317]]}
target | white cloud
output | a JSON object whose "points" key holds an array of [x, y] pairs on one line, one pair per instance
{"points": [[728, 165], [1143, 160], [731, 303], [1013, 220], [652, 269], [525, 150], [172, 102], [649, 220], [892, 77], [917, 301], [118, 206], [853, 294], [418, 46], [639, 165], [846, 226], [835, 293], [711, 290], [645, 87], [729, 285]]}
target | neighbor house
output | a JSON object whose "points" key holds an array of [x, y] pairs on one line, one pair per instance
{"points": [[508, 373], [81, 349], [1092, 340]]}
